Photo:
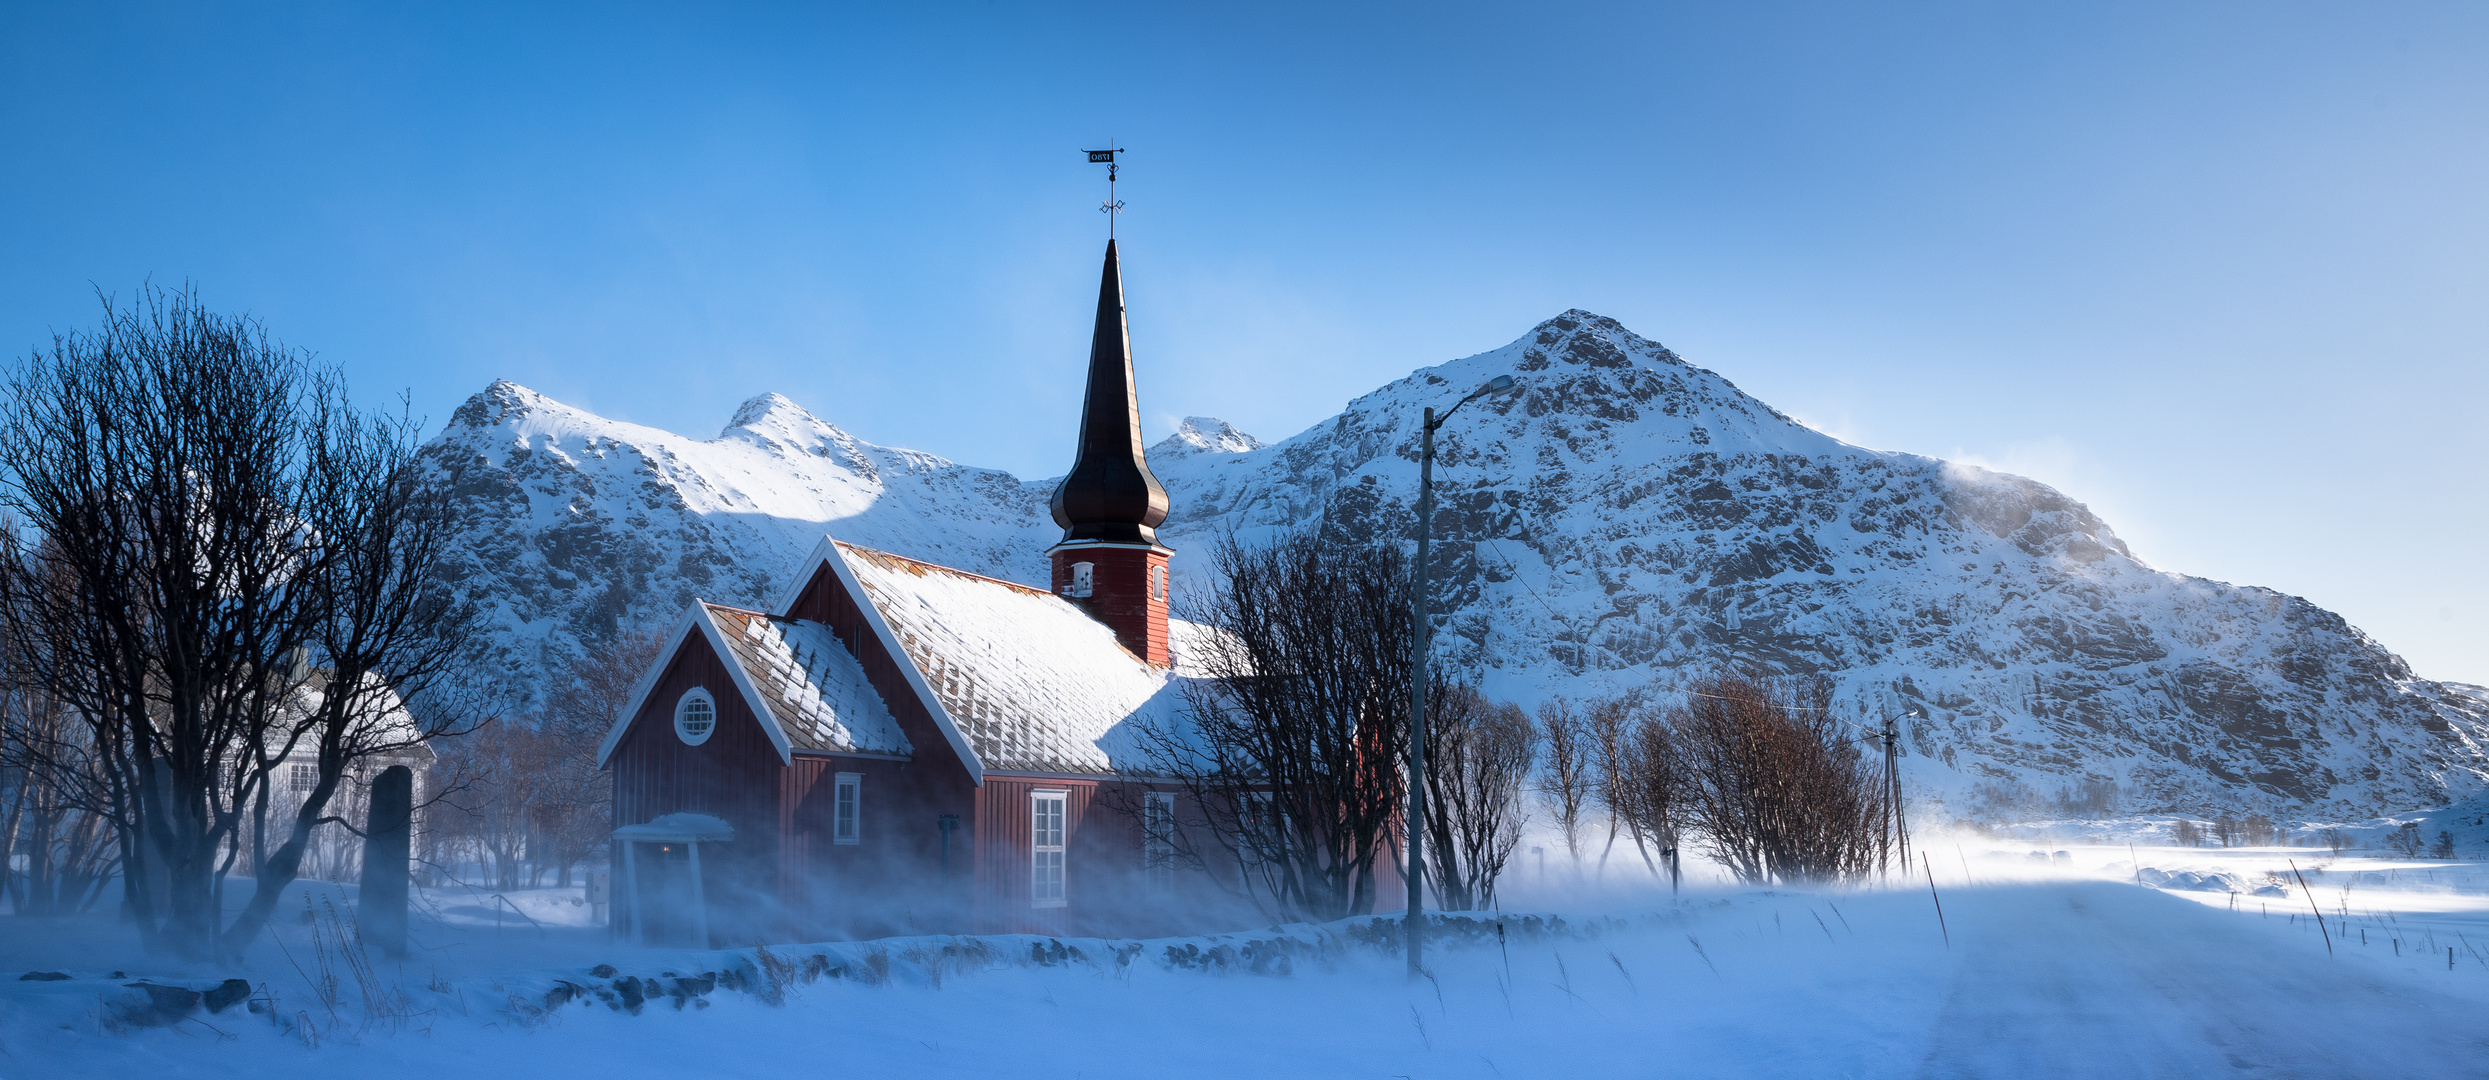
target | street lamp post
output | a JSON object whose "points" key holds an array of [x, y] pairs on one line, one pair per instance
{"points": [[1418, 638]]}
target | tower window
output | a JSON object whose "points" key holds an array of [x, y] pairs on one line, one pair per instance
{"points": [[1084, 579], [1158, 583], [695, 717]]}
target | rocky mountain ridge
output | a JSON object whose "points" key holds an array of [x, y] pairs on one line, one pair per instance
{"points": [[1623, 519]]}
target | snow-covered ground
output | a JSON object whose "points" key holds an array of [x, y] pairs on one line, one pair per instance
{"points": [[2046, 965]]}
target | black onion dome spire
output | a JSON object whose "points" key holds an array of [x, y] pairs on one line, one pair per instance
{"points": [[1110, 497]]}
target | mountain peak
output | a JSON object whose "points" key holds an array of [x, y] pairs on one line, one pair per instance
{"points": [[1574, 318], [1206, 435], [1594, 340], [771, 407], [499, 403], [774, 418]]}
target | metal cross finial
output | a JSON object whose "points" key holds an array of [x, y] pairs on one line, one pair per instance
{"points": [[1112, 206]]}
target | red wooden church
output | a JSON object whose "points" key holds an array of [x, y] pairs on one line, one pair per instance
{"points": [[896, 745]]}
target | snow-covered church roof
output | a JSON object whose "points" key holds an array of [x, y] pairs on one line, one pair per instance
{"points": [[1019, 680], [812, 686], [1027, 679]]}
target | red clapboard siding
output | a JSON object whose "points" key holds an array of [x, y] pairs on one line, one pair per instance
{"points": [[1120, 596], [1003, 823], [897, 856], [803, 822], [733, 775]]}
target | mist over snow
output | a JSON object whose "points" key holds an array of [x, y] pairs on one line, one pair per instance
{"points": [[2082, 960], [1625, 519]]}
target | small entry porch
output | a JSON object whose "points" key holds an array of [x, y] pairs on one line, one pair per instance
{"points": [[664, 892]]}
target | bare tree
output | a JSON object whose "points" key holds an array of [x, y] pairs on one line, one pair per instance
{"points": [[2092, 797], [1612, 724], [1771, 781], [379, 627], [58, 846], [228, 526], [1566, 783], [2405, 840], [576, 815], [2186, 833], [508, 774], [1292, 759], [56, 843], [526, 797], [1478, 757], [1651, 798], [1635, 784], [2227, 830]]}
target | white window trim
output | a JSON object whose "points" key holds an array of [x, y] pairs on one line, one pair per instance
{"points": [[1084, 580], [839, 784], [681, 705], [1037, 852]]}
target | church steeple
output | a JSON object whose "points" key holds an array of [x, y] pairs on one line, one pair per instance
{"points": [[1110, 496], [1110, 505]]}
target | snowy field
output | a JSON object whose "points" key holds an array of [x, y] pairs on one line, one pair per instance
{"points": [[2042, 965]]}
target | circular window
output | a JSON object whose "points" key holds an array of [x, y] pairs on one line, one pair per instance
{"points": [[695, 717]]}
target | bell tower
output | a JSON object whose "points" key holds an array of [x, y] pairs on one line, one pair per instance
{"points": [[1110, 506]]}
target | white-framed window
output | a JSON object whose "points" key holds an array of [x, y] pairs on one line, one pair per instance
{"points": [[300, 777], [847, 809], [1045, 843], [1084, 579], [695, 717], [1157, 583], [1158, 841]]}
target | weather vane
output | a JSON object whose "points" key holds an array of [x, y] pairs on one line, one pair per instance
{"points": [[1112, 206]]}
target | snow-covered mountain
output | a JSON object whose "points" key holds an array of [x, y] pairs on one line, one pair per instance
{"points": [[1623, 519]]}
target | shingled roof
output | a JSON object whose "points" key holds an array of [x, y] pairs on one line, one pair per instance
{"points": [[1031, 681], [811, 684]]}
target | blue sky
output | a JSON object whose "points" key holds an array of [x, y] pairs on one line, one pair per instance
{"points": [[2215, 268]]}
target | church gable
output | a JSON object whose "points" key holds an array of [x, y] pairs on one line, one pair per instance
{"points": [[722, 728], [793, 678]]}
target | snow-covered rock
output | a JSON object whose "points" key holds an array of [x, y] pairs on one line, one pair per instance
{"points": [[578, 527], [1204, 434], [1623, 519]]}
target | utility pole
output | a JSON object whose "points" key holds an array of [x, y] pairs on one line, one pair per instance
{"points": [[1899, 835], [1418, 639]]}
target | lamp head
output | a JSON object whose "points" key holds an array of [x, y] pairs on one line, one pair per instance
{"points": [[1498, 384]]}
